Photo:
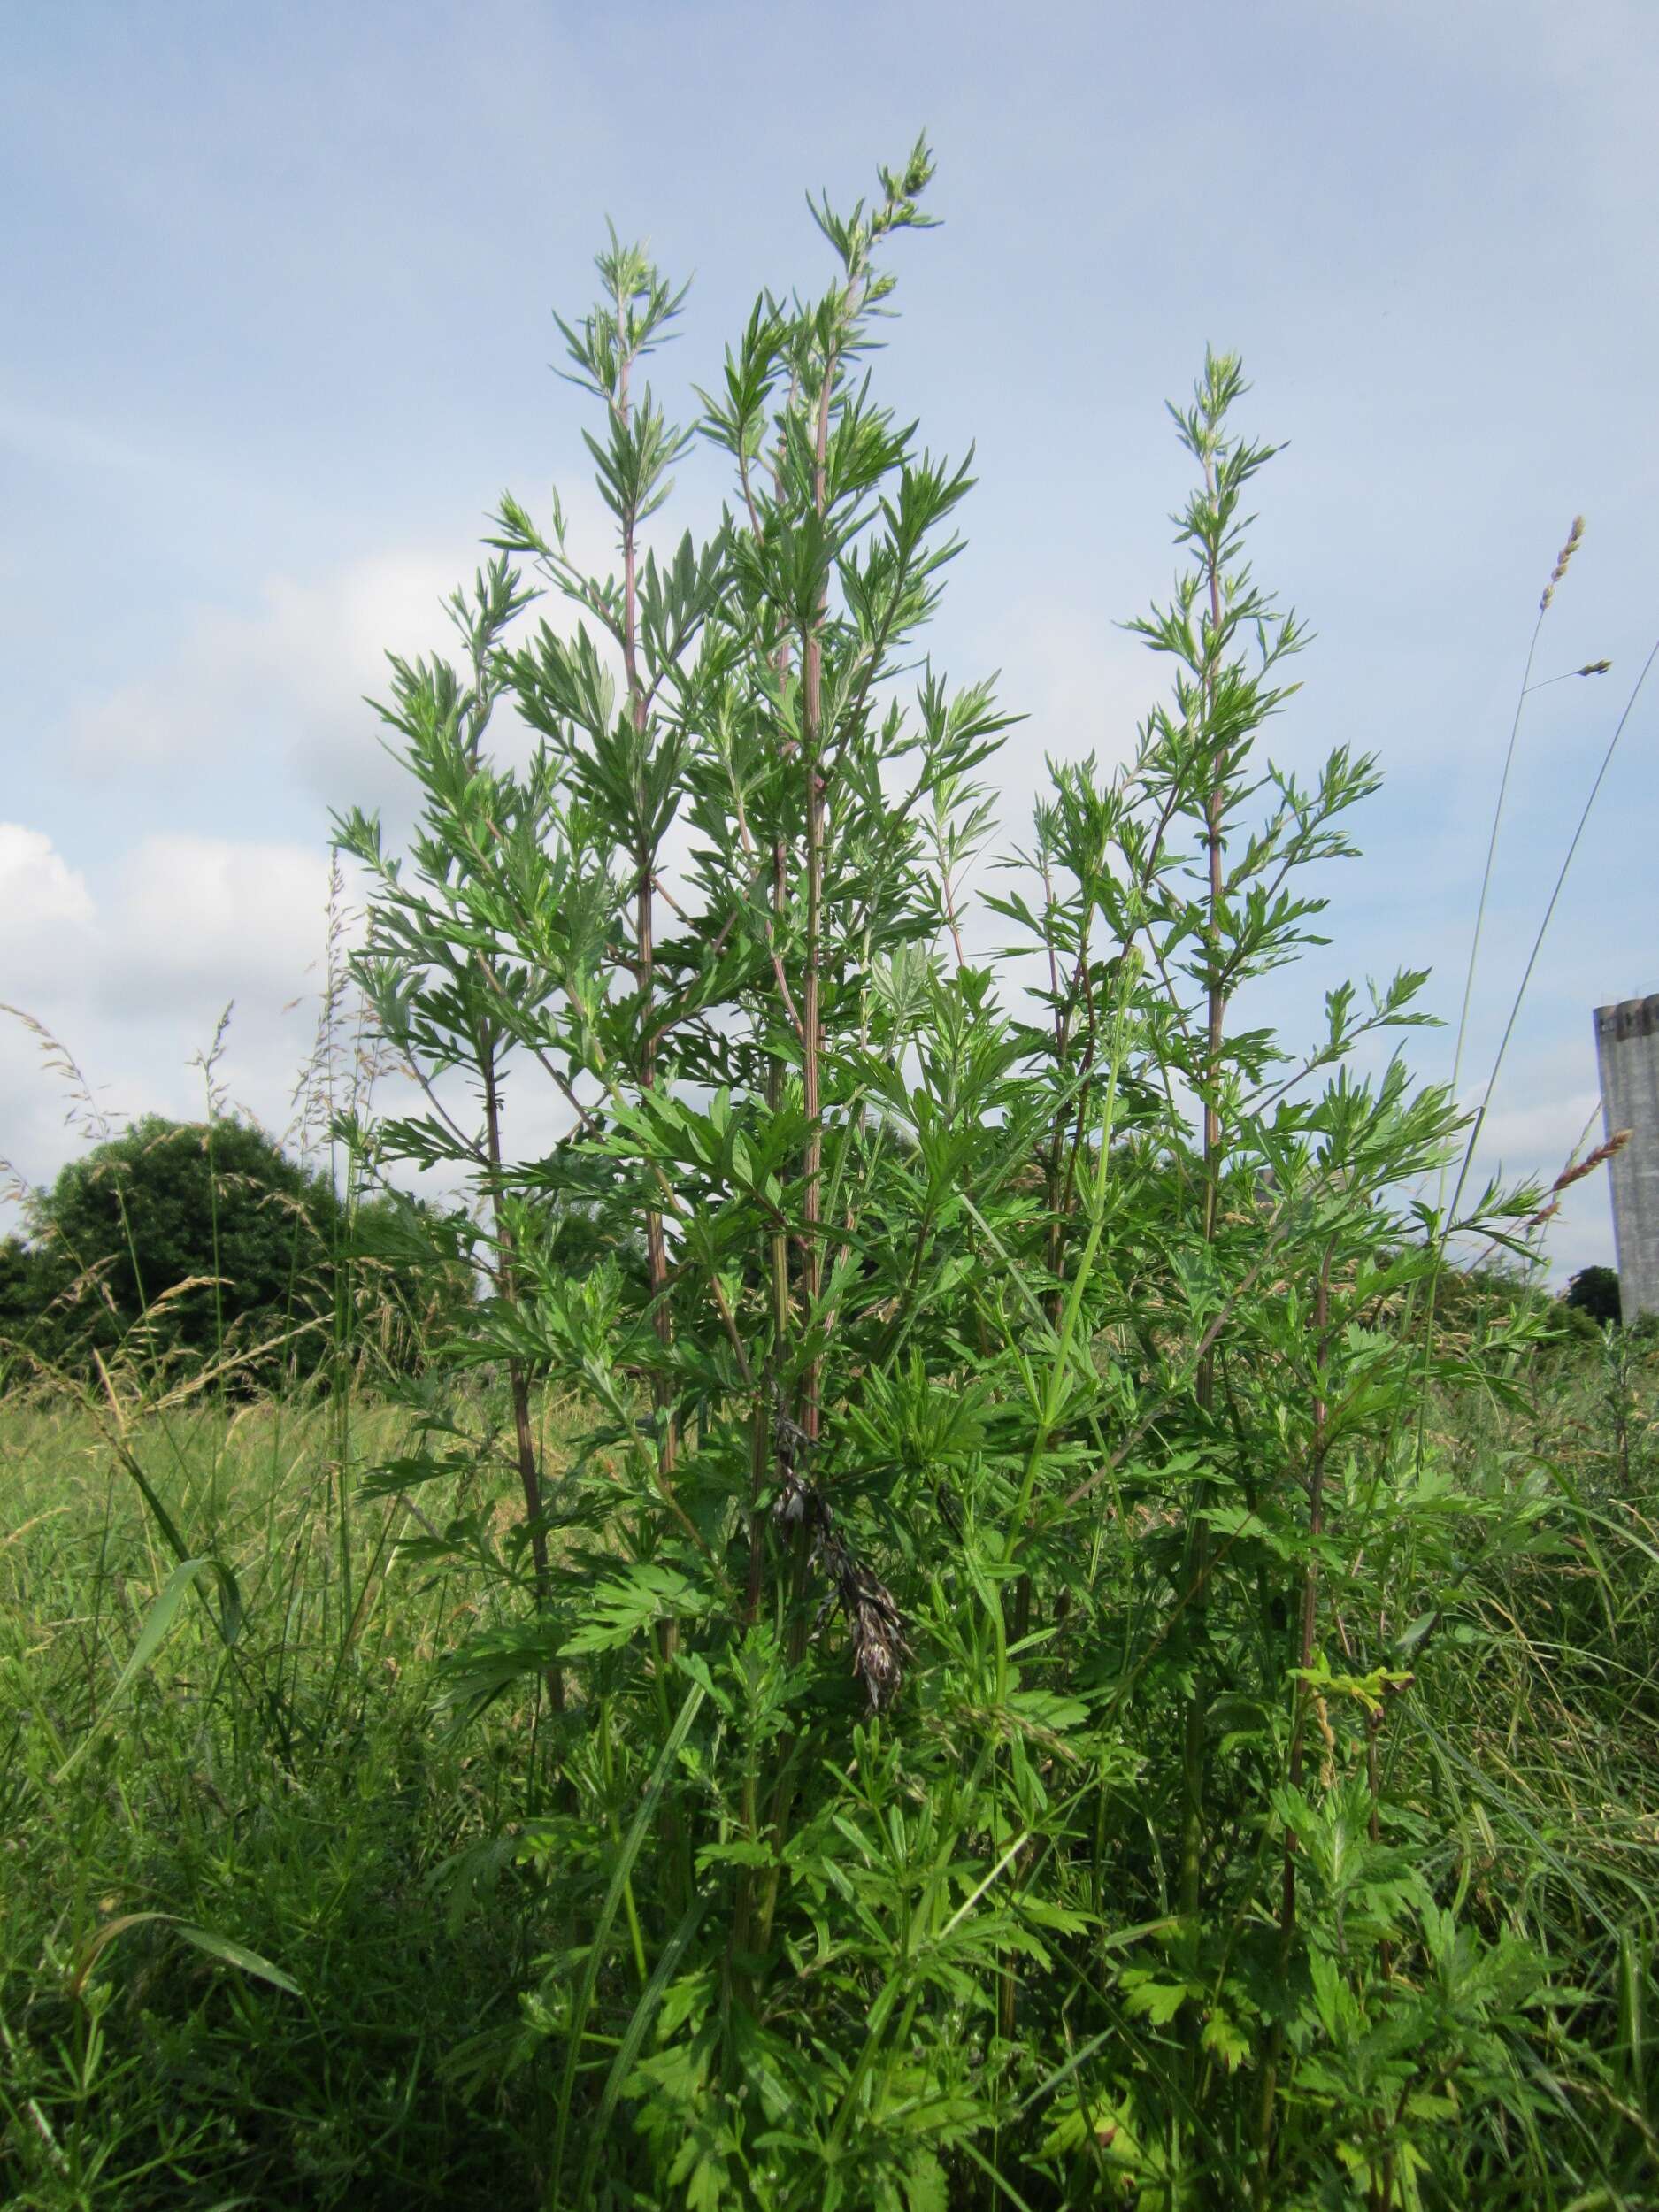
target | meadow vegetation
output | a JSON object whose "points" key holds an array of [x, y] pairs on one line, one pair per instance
{"points": [[980, 1593]]}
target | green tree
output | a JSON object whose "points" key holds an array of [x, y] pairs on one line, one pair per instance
{"points": [[28, 1284], [1594, 1291], [185, 1238], [180, 1243]]}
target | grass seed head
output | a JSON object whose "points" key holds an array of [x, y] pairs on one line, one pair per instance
{"points": [[1575, 1172], [1562, 560]]}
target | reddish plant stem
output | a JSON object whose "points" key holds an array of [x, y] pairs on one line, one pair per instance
{"points": [[1193, 1752], [644, 957], [811, 1024]]}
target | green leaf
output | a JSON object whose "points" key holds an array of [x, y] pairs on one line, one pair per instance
{"points": [[1224, 2036], [1151, 1999], [646, 1594], [219, 1946], [741, 1853], [924, 2187], [158, 1621], [216, 1947], [1061, 1918], [628, 2048]]}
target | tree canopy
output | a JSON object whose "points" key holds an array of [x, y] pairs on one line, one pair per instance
{"points": [[181, 1243], [1594, 1291]]}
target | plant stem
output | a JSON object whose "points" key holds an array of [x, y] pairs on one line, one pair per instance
{"points": [[811, 1020], [1193, 1751], [1307, 1634], [644, 932], [518, 1382]]}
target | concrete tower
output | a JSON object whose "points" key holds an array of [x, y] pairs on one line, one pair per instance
{"points": [[1627, 1052]]}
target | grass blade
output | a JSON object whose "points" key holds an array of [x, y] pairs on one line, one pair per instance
{"points": [[158, 1621], [216, 1947], [624, 1867], [628, 2049]]}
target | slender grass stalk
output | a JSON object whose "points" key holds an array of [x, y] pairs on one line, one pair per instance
{"points": [[1549, 916], [621, 1874], [1307, 1633], [1473, 964]]}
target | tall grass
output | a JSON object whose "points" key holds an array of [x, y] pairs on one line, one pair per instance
{"points": [[307, 1805], [289, 1795]]}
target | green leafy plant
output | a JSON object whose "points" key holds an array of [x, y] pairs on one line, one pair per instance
{"points": [[985, 1610]]}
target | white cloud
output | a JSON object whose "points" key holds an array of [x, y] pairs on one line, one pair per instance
{"points": [[1540, 1133], [122, 975], [192, 915], [276, 696], [132, 966], [1533, 1139], [1083, 684], [41, 896], [280, 689]]}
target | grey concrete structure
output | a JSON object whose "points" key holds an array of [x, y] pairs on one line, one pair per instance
{"points": [[1627, 1053]]}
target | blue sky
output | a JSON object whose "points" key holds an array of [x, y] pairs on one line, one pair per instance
{"points": [[278, 283]]}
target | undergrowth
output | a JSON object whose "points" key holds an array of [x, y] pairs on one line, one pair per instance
{"points": [[312, 1810]]}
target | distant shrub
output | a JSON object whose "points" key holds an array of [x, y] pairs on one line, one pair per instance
{"points": [[1593, 1291], [182, 1243]]}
